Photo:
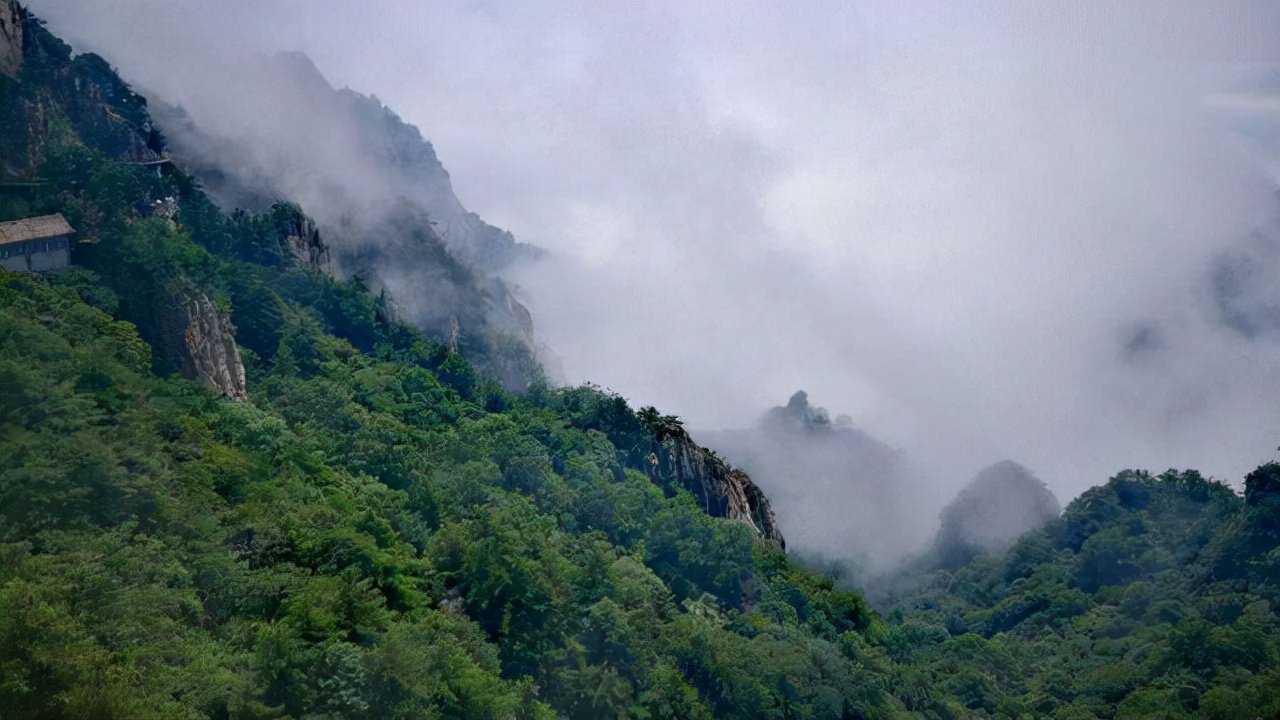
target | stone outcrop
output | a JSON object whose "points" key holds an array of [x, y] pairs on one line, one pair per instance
{"points": [[301, 237], [11, 17], [721, 490], [379, 195], [197, 339], [211, 345], [80, 101]]}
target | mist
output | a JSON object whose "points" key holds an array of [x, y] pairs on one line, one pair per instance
{"points": [[1045, 232]]}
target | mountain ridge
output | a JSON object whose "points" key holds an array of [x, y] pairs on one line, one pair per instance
{"points": [[380, 529]]}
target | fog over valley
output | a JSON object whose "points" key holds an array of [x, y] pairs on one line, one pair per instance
{"points": [[1039, 232]]}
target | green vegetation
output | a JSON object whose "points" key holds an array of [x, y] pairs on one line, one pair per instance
{"points": [[375, 535], [1149, 597], [383, 531]]}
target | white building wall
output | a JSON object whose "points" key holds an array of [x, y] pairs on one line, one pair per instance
{"points": [[49, 254], [53, 260]]}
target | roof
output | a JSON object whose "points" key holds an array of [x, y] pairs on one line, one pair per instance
{"points": [[34, 228]]}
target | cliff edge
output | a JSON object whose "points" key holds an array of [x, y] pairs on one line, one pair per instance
{"points": [[722, 491]]}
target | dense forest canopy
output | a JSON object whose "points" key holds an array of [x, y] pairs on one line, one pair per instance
{"points": [[382, 530]]}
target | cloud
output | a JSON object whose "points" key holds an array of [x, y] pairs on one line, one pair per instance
{"points": [[948, 220]]}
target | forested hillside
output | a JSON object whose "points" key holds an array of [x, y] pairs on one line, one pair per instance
{"points": [[378, 529], [1150, 597]]}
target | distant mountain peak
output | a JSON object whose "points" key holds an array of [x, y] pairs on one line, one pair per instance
{"points": [[299, 67], [999, 504]]}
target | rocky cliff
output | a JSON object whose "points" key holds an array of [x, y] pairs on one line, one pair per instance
{"points": [[338, 153], [11, 16], [379, 194], [60, 100], [721, 490], [211, 345], [197, 339], [301, 237]]}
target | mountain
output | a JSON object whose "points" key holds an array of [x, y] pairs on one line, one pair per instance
{"points": [[374, 526], [382, 201], [371, 525], [1003, 502], [882, 522], [804, 461], [337, 151], [1150, 597]]}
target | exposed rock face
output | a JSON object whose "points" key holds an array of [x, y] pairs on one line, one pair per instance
{"points": [[81, 100], [378, 192], [720, 489], [520, 321], [11, 16], [1001, 503], [302, 237], [211, 345], [198, 340]]}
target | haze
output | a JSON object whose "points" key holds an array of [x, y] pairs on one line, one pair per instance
{"points": [[1032, 231]]}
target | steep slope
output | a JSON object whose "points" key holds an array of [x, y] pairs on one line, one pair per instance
{"points": [[337, 152], [677, 461], [382, 200], [380, 530], [54, 100], [57, 114]]}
